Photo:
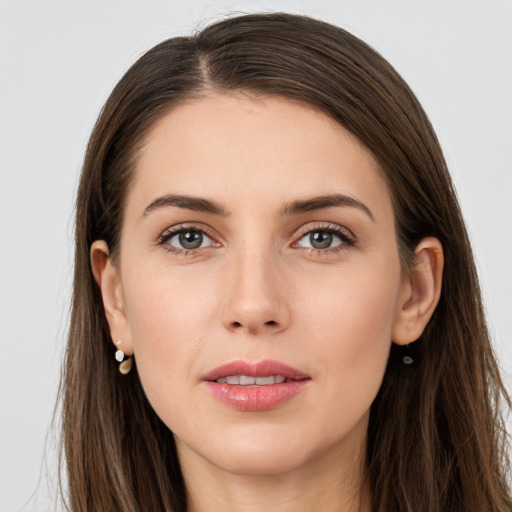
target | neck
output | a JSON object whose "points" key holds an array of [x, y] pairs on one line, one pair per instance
{"points": [[331, 482]]}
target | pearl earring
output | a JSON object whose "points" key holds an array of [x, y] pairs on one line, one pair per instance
{"points": [[407, 359], [125, 361]]}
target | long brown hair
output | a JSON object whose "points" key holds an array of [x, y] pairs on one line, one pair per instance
{"points": [[436, 440]]}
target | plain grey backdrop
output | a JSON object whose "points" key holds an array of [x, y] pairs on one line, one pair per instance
{"points": [[58, 63]]}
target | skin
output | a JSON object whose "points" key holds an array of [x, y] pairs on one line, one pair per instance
{"points": [[257, 290]]}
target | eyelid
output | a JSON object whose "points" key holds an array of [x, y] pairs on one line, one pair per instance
{"points": [[325, 226], [345, 236], [169, 232]]}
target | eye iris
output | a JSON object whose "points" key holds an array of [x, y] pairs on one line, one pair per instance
{"points": [[320, 239], [191, 239]]}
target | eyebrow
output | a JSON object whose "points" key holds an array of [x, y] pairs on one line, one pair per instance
{"points": [[322, 202], [197, 204], [200, 204]]}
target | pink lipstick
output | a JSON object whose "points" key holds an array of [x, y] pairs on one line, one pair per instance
{"points": [[259, 386]]}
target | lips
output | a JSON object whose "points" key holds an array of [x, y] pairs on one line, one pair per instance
{"points": [[258, 386]]}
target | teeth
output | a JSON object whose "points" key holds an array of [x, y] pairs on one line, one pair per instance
{"points": [[263, 381], [245, 380]]}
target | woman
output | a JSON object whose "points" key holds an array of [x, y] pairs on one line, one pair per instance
{"points": [[275, 300]]}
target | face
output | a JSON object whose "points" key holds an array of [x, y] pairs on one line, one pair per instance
{"points": [[259, 283]]}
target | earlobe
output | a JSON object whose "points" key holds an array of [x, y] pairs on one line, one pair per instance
{"points": [[108, 279], [420, 292]]}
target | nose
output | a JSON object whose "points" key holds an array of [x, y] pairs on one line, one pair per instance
{"points": [[256, 295]]}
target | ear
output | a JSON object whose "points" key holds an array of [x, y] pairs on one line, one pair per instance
{"points": [[108, 279], [420, 292]]}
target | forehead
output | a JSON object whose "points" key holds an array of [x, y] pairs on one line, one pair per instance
{"points": [[240, 147]]}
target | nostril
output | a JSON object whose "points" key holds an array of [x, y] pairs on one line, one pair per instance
{"points": [[253, 327]]}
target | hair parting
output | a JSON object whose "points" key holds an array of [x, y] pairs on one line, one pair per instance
{"points": [[436, 440]]}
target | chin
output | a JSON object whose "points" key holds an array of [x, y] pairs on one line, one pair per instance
{"points": [[264, 450], [259, 460]]}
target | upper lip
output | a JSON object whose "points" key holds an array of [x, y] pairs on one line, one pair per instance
{"points": [[264, 368]]}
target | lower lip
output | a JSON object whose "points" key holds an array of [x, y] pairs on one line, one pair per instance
{"points": [[256, 398]]}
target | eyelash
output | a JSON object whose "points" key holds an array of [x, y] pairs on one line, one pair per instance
{"points": [[346, 237], [183, 228]]}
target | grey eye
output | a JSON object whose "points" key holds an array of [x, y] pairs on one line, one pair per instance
{"points": [[189, 239], [320, 240]]}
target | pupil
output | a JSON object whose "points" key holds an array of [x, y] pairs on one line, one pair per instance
{"points": [[320, 239], [191, 239]]}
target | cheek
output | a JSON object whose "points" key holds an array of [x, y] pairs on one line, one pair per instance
{"points": [[167, 305], [357, 306], [168, 319], [352, 326]]}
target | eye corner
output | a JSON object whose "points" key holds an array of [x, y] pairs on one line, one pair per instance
{"points": [[330, 234], [190, 238]]}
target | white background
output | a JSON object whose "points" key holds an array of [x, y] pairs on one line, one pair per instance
{"points": [[59, 61]]}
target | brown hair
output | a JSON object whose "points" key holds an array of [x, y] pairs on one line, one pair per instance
{"points": [[436, 440]]}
